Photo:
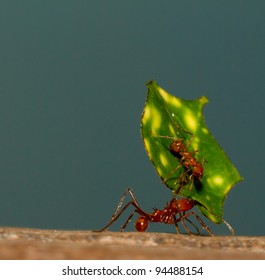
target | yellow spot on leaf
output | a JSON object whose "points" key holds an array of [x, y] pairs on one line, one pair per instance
{"points": [[218, 180], [195, 144], [190, 121], [152, 114], [163, 159], [147, 144], [156, 120], [164, 94], [147, 114], [169, 98], [205, 130], [176, 102], [171, 129], [159, 170]]}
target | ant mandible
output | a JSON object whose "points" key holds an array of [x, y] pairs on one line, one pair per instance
{"points": [[166, 215]]}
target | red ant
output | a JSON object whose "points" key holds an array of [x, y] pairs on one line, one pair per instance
{"points": [[187, 159], [178, 149], [166, 215]]}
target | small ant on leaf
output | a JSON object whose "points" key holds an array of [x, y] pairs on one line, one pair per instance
{"points": [[187, 159], [168, 215]]}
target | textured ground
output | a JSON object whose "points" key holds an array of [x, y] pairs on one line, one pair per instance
{"points": [[24, 243]]}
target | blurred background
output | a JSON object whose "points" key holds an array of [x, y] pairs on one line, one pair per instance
{"points": [[72, 90]]}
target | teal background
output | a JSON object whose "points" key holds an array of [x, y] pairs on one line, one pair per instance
{"points": [[72, 90]]}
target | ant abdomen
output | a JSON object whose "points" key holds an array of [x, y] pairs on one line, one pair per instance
{"points": [[141, 224]]}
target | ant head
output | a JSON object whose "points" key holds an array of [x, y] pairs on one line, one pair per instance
{"points": [[184, 204], [176, 146], [141, 224]]}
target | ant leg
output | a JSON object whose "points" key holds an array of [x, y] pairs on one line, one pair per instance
{"points": [[193, 152], [118, 212], [179, 127], [224, 221], [183, 182], [128, 220], [185, 226], [202, 223], [229, 227], [191, 182], [172, 171], [176, 225], [184, 130], [114, 218], [176, 138], [191, 139], [188, 132], [204, 226], [165, 136], [128, 190], [134, 198], [187, 229]]}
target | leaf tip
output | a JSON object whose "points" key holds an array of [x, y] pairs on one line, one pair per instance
{"points": [[151, 82], [203, 100]]}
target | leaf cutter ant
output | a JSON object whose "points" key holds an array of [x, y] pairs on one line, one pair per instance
{"points": [[173, 213], [187, 159]]}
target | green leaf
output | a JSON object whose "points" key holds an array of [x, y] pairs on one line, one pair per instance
{"points": [[166, 115]]}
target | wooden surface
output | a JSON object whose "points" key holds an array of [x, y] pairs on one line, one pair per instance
{"points": [[24, 243]]}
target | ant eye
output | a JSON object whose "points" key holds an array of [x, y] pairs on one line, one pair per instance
{"points": [[141, 224]]}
